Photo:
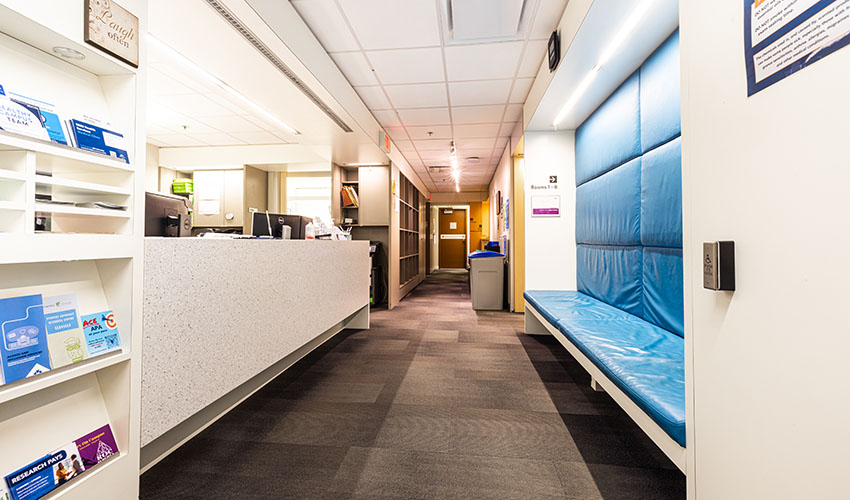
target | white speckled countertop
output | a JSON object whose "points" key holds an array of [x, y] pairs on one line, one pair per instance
{"points": [[218, 312]]}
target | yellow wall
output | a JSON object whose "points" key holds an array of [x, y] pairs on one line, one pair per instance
{"points": [[476, 226], [485, 221]]}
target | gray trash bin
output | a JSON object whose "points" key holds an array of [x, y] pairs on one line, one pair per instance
{"points": [[487, 280]]}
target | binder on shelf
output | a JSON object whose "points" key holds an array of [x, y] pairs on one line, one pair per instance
{"points": [[349, 197], [65, 339], [23, 349]]}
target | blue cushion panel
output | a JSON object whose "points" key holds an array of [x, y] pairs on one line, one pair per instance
{"points": [[612, 275], [608, 207], [660, 112], [556, 304], [663, 293], [661, 196], [645, 361], [611, 135]]}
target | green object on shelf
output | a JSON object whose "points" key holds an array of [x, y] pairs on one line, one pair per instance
{"points": [[182, 186]]}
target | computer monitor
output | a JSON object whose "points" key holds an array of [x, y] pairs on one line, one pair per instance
{"points": [[260, 225], [167, 215]]}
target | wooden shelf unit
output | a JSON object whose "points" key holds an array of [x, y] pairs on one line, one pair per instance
{"points": [[409, 228]]}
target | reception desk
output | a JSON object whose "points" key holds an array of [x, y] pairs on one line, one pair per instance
{"points": [[223, 317]]}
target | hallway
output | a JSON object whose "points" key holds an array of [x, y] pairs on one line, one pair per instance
{"points": [[435, 401]]}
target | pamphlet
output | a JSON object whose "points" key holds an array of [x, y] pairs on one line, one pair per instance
{"points": [[96, 446], [4, 493], [69, 466], [101, 332], [23, 350], [100, 140], [65, 338], [21, 119]]}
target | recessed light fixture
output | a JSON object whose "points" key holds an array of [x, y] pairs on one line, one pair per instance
{"points": [[69, 53], [473, 159], [180, 58], [609, 52]]}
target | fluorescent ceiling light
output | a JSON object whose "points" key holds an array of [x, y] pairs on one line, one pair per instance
{"points": [[180, 58], [454, 163], [622, 34], [367, 164]]}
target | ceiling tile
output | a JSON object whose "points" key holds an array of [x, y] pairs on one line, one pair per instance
{"points": [[177, 140], [547, 18], [476, 131], [194, 105], [413, 159], [520, 91], [507, 129], [501, 144], [475, 143], [483, 61], [434, 145], [404, 145], [408, 65], [532, 59], [387, 118], [430, 156], [477, 114], [439, 132], [355, 67], [374, 97], [484, 92], [428, 116], [257, 137], [396, 132], [327, 23], [514, 113], [218, 139], [379, 24], [427, 95], [160, 84], [230, 123]]}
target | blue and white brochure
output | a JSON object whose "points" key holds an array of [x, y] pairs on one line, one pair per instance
{"points": [[100, 140], [21, 119], [46, 474], [101, 332], [23, 350]]}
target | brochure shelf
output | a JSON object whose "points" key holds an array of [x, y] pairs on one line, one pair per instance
{"points": [[93, 253], [28, 386]]}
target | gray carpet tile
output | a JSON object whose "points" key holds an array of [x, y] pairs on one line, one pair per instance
{"points": [[434, 401]]}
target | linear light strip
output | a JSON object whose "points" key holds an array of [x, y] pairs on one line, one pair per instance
{"points": [[184, 61], [619, 39], [254, 40]]}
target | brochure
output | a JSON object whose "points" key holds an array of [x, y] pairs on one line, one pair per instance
{"points": [[20, 119], [23, 350], [4, 493], [92, 137], [97, 446], [47, 114], [101, 332], [67, 467], [65, 339]]}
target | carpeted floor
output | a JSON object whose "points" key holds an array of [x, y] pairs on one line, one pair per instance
{"points": [[435, 401]]}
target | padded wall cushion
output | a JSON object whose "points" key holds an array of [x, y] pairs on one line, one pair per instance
{"points": [[612, 275], [660, 105], [661, 196], [608, 207], [611, 136], [663, 291], [645, 361]]}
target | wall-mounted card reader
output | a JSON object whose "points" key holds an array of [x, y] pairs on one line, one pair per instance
{"points": [[718, 265]]}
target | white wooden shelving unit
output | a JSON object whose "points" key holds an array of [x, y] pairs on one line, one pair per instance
{"points": [[94, 253]]}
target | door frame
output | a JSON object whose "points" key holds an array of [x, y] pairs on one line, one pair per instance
{"points": [[435, 231]]}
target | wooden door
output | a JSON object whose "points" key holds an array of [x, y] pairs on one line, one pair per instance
{"points": [[452, 238]]}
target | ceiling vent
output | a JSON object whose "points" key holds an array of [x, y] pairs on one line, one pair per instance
{"points": [[466, 21], [249, 35]]}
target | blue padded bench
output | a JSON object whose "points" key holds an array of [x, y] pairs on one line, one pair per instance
{"points": [[644, 361], [625, 324]]}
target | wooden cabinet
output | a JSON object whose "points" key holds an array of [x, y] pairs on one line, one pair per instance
{"points": [[372, 185]]}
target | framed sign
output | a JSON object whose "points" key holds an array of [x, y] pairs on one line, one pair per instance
{"points": [[112, 29]]}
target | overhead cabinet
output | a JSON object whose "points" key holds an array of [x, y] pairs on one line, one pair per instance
{"points": [[372, 188]]}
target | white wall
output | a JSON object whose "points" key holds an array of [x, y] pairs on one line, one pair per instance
{"points": [[501, 182], [550, 242], [151, 168], [771, 378]]}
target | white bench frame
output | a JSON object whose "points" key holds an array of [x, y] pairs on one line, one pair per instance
{"points": [[536, 324]]}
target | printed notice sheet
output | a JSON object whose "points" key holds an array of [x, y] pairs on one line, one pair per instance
{"points": [[782, 37]]}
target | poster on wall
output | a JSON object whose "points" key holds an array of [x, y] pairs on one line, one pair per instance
{"points": [[545, 206], [782, 37]]}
